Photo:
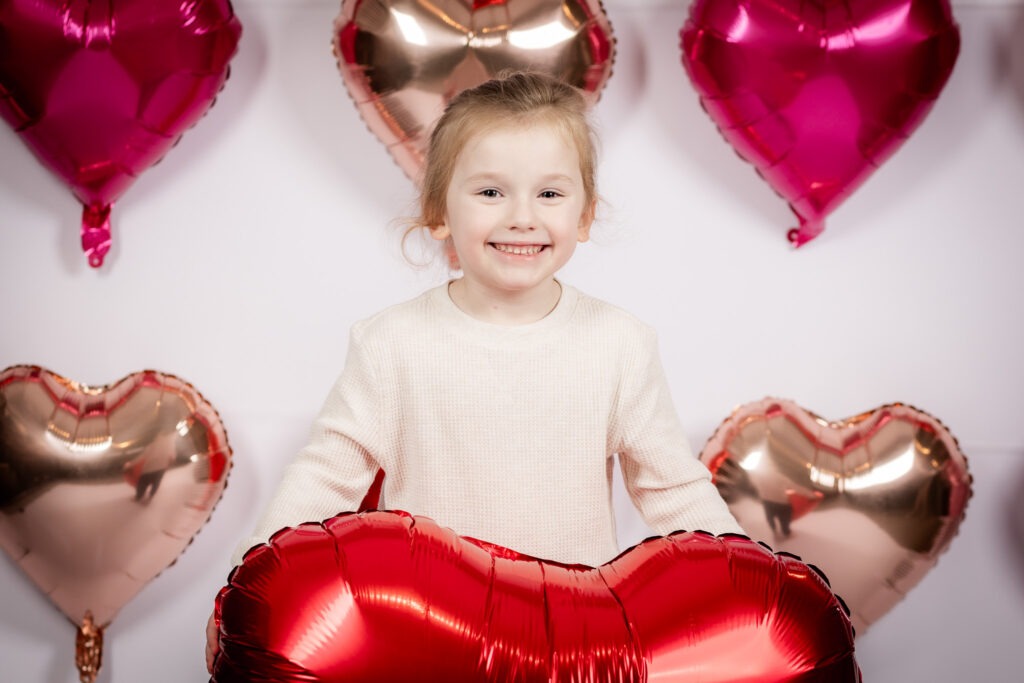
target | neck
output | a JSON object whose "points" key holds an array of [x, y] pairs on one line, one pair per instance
{"points": [[515, 308]]}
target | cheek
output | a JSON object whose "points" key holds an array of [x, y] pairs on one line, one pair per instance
{"points": [[574, 219]]}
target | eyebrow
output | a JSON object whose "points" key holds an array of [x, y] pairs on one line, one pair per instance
{"points": [[489, 176]]}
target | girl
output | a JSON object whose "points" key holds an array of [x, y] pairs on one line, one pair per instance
{"points": [[496, 402]]}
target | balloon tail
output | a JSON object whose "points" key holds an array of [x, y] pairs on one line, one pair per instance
{"points": [[96, 233], [371, 501], [808, 230], [88, 649]]}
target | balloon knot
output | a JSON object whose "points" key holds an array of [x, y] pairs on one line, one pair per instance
{"points": [[807, 231], [88, 649], [96, 233]]}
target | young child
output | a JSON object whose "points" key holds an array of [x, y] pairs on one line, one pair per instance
{"points": [[496, 402]]}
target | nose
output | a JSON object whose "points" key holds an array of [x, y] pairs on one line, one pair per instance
{"points": [[521, 215]]}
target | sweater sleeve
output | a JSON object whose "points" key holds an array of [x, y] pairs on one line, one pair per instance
{"points": [[669, 486], [333, 472]]}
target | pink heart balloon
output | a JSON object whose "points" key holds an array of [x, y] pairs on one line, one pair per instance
{"points": [[402, 60], [873, 499], [817, 95], [384, 596], [102, 488], [100, 90]]}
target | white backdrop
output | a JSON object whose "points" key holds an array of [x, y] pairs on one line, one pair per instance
{"points": [[241, 260]]}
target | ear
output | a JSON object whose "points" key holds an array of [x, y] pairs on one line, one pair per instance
{"points": [[440, 232], [586, 220]]}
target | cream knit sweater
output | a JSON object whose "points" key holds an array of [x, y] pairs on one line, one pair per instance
{"points": [[506, 434]]}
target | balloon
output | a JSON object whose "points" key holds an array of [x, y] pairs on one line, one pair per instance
{"points": [[371, 500], [101, 488], [402, 61], [385, 596], [817, 95], [101, 90], [873, 499]]}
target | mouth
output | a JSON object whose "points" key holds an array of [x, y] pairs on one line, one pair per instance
{"points": [[519, 249]]}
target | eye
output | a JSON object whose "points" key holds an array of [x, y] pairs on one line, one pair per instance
{"points": [[550, 194], [490, 193]]}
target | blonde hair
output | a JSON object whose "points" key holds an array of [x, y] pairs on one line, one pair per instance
{"points": [[512, 99]]}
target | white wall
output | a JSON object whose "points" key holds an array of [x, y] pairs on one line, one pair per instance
{"points": [[241, 260]]}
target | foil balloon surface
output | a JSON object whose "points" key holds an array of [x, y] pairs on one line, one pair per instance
{"points": [[817, 95], [872, 500], [102, 488], [100, 90], [384, 596], [402, 61]]}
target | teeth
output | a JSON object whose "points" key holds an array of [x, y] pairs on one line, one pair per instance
{"points": [[519, 249]]}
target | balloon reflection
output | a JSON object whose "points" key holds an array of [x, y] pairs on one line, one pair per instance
{"points": [[403, 60], [101, 488], [873, 500], [101, 91], [384, 596], [818, 95]]}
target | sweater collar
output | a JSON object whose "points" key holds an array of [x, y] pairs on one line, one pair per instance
{"points": [[558, 316]]}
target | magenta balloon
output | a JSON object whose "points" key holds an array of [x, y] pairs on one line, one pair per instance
{"points": [[817, 95], [100, 90]]}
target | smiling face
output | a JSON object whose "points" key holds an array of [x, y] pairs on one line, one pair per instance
{"points": [[515, 210]]}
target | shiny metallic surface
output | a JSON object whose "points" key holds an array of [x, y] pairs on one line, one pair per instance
{"points": [[100, 90], [817, 95], [385, 596], [872, 500], [102, 488], [403, 60]]}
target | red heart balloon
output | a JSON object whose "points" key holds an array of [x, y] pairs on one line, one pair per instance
{"points": [[100, 90], [384, 596], [817, 95], [102, 488], [403, 60], [873, 499]]}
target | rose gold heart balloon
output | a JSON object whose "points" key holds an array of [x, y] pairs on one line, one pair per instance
{"points": [[102, 488], [873, 499], [403, 60]]}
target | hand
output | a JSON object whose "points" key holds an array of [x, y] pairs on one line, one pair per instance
{"points": [[212, 645]]}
